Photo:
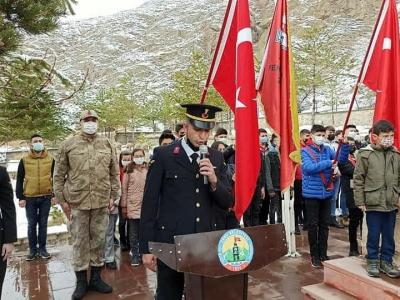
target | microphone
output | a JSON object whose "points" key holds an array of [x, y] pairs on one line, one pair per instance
{"points": [[204, 154]]}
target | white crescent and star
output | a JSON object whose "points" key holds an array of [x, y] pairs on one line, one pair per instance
{"points": [[244, 36]]}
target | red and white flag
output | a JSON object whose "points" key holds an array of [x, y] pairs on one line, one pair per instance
{"points": [[381, 72], [232, 75]]}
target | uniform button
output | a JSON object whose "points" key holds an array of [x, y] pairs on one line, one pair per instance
{"points": [[197, 190], [197, 176], [176, 176], [162, 227], [197, 204], [197, 220]]}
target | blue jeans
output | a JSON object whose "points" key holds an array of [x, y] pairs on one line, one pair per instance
{"points": [[381, 224], [343, 204], [335, 196], [37, 213]]}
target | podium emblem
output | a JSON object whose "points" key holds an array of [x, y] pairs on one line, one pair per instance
{"points": [[235, 250]]}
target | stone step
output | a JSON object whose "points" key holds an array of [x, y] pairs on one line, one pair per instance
{"points": [[322, 291], [349, 275]]}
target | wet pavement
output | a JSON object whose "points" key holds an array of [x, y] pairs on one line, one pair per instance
{"points": [[55, 279]]}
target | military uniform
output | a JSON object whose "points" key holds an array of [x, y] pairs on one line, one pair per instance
{"points": [[176, 202], [87, 176]]}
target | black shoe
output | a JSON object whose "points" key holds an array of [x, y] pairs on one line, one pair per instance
{"points": [[305, 227], [81, 285], [44, 254], [111, 265], [96, 283], [31, 256], [316, 262], [334, 223], [297, 231], [324, 258], [354, 253], [135, 261]]}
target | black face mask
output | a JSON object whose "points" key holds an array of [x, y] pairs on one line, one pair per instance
{"points": [[331, 137]]}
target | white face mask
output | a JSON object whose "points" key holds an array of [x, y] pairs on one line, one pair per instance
{"points": [[223, 140], [319, 140], [387, 142], [89, 127], [38, 147], [139, 160], [352, 134], [124, 163]]}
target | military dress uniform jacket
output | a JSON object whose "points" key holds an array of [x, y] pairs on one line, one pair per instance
{"points": [[86, 173], [176, 201]]}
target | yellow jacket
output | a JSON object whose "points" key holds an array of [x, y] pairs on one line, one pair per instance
{"points": [[37, 181]]}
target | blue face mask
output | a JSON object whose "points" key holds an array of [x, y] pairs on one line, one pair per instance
{"points": [[264, 140], [38, 147]]}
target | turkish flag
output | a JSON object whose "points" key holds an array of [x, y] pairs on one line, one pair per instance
{"points": [[277, 89], [381, 72], [232, 75]]}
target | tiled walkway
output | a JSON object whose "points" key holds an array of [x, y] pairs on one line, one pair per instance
{"points": [[54, 279]]}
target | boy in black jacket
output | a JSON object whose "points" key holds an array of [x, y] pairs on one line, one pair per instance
{"points": [[347, 162]]}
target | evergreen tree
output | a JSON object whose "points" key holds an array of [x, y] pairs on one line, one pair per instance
{"points": [[26, 100], [187, 88]]}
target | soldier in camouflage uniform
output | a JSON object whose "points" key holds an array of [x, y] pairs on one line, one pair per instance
{"points": [[86, 183]]}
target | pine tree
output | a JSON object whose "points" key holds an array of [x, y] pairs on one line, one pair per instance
{"points": [[26, 100]]}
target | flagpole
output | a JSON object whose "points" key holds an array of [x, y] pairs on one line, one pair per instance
{"points": [[359, 81], [207, 84]]}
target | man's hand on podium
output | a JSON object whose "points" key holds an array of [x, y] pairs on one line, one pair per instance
{"points": [[150, 261]]}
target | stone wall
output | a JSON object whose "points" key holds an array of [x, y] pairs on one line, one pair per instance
{"points": [[362, 117]]}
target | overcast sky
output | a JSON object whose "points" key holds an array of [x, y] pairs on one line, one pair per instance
{"points": [[94, 8]]}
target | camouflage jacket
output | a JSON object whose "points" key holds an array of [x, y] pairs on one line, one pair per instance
{"points": [[86, 173]]}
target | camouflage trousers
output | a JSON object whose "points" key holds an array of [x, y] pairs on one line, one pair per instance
{"points": [[88, 230]]}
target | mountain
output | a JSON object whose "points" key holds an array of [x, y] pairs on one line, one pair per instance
{"points": [[155, 40]]}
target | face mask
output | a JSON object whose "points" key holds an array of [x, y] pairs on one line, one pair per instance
{"points": [[352, 134], [223, 140], [319, 140], [139, 160], [331, 137], [357, 138], [124, 163], [38, 147], [90, 127], [387, 142], [264, 140]]}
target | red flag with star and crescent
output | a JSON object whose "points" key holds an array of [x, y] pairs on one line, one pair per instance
{"points": [[232, 75], [381, 72]]}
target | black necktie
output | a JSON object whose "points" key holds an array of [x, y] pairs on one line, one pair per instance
{"points": [[194, 163]]}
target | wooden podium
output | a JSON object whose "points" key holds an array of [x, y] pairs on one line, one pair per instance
{"points": [[206, 278]]}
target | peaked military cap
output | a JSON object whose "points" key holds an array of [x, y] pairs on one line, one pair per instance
{"points": [[89, 114], [201, 115]]}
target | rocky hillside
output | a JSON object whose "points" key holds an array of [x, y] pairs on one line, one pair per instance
{"points": [[156, 39]]}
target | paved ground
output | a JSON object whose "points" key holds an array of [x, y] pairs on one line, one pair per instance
{"points": [[54, 278]]}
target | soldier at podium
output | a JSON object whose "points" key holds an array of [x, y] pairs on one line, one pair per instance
{"points": [[186, 192]]}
